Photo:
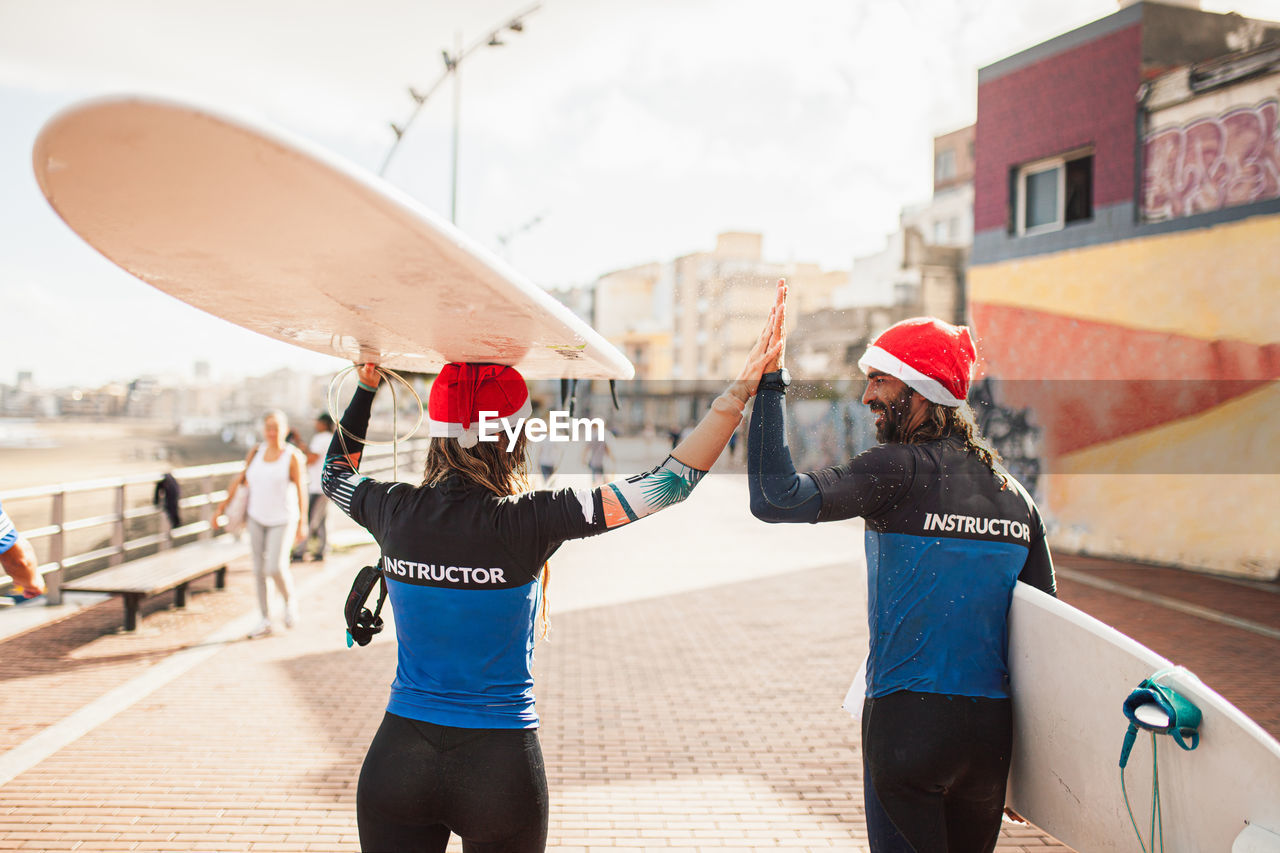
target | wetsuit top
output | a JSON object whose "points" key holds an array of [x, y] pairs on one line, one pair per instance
{"points": [[463, 574], [945, 540], [8, 533]]}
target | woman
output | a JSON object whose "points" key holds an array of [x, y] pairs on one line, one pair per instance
{"points": [[463, 555], [277, 515]]}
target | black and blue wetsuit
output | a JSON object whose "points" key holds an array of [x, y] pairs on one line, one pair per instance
{"points": [[946, 540], [458, 749]]}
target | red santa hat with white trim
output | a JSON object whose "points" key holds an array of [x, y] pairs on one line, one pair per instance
{"points": [[463, 391], [932, 357]]}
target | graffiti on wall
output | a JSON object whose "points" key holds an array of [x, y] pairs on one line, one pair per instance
{"points": [[1013, 432], [1221, 161]]}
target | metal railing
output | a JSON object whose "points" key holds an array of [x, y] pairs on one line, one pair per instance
{"points": [[128, 526]]}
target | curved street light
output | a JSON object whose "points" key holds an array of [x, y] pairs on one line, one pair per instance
{"points": [[451, 62]]}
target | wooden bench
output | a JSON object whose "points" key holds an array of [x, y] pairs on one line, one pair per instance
{"points": [[139, 579]]}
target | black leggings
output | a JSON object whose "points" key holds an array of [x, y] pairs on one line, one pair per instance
{"points": [[936, 769], [421, 781]]}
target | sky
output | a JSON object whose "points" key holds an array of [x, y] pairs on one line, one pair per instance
{"points": [[608, 133]]}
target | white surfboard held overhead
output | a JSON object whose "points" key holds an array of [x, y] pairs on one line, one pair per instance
{"points": [[275, 235]]}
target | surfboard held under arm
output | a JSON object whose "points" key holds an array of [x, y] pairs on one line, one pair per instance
{"points": [[1072, 676], [276, 235]]}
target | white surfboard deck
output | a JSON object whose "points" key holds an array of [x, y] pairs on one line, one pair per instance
{"points": [[273, 234], [1071, 675]]}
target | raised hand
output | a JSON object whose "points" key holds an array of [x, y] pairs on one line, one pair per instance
{"points": [[779, 327], [369, 374], [767, 353]]}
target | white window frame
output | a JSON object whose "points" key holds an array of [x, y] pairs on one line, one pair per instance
{"points": [[1034, 168], [1025, 172]]}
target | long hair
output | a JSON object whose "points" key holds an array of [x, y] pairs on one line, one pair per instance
{"points": [[487, 465], [958, 421], [490, 466]]}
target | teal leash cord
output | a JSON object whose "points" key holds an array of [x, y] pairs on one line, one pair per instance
{"points": [[1157, 819], [1183, 723]]}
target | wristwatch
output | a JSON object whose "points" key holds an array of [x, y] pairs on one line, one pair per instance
{"points": [[775, 380]]}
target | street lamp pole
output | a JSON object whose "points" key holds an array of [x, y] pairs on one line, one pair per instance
{"points": [[457, 116], [451, 62], [504, 240]]}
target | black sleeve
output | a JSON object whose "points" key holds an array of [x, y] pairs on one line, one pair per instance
{"points": [[362, 498], [866, 485], [551, 517], [544, 519], [778, 493], [1038, 571]]}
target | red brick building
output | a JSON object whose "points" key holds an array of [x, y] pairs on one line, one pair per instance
{"points": [[1124, 279]]}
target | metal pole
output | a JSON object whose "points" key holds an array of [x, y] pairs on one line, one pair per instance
{"points": [[58, 549], [515, 23], [208, 510], [117, 530], [457, 114]]}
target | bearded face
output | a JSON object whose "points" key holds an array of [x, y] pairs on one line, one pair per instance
{"points": [[891, 415]]}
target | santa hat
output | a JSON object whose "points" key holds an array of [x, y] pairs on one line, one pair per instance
{"points": [[462, 391], [932, 357]]}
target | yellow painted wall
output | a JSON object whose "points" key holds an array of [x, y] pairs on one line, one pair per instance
{"points": [[1220, 282], [1111, 500]]}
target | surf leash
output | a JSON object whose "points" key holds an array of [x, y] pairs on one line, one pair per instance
{"points": [[1159, 709], [363, 623], [392, 377]]}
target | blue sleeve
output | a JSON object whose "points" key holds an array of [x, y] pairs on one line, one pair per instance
{"points": [[778, 493]]}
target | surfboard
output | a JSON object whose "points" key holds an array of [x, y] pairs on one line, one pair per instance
{"points": [[1071, 675], [272, 233]]}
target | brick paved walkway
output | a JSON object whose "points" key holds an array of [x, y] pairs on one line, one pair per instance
{"points": [[674, 718]]}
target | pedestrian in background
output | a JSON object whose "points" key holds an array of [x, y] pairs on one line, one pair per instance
{"points": [[277, 515], [317, 503], [550, 455], [597, 453], [18, 559]]}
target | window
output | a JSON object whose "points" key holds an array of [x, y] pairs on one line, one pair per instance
{"points": [[1053, 193], [944, 166], [946, 231]]}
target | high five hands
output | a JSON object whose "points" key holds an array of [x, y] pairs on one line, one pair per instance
{"points": [[769, 349]]}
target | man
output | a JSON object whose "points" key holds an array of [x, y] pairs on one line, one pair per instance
{"points": [[318, 503], [18, 559], [948, 532], [596, 454]]}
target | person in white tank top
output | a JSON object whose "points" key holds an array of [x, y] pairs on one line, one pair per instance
{"points": [[277, 515]]}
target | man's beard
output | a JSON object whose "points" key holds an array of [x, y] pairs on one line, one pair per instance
{"points": [[890, 429]]}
